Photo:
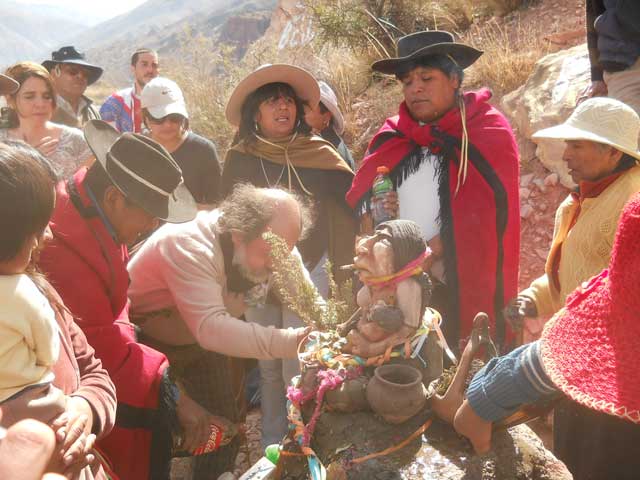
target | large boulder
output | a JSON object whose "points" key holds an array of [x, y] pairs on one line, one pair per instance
{"points": [[547, 99], [517, 454]]}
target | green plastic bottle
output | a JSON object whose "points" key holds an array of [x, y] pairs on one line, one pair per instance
{"points": [[382, 185]]}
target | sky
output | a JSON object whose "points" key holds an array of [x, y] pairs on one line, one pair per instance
{"points": [[94, 10]]}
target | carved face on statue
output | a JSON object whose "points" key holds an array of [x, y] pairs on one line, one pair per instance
{"points": [[374, 255]]}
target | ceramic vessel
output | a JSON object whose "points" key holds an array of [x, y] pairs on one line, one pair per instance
{"points": [[396, 392]]}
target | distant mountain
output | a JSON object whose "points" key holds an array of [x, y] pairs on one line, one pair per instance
{"points": [[160, 24], [151, 15], [31, 33]]}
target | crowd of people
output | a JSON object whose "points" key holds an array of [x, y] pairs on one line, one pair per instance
{"points": [[135, 279]]}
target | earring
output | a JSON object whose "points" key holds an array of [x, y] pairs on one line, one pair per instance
{"points": [[256, 128]]}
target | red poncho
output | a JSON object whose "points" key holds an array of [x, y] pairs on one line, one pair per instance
{"points": [[88, 268], [480, 225]]}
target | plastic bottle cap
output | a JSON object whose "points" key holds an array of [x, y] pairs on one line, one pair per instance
{"points": [[272, 452], [382, 169]]}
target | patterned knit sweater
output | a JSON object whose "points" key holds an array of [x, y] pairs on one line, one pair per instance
{"points": [[585, 248]]}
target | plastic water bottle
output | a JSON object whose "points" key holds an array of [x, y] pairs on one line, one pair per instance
{"points": [[382, 185]]}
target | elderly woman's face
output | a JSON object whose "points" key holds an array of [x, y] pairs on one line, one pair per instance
{"points": [[429, 93], [276, 117], [34, 100]]}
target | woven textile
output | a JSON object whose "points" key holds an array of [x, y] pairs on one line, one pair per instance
{"points": [[590, 348]]}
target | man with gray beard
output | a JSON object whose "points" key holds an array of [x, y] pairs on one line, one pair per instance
{"points": [[191, 283]]}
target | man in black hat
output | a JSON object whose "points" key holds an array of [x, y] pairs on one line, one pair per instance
{"points": [[71, 75], [133, 183], [454, 164]]}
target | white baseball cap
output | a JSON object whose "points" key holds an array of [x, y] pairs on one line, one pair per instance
{"points": [[162, 97]]}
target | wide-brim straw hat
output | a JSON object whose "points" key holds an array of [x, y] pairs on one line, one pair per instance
{"points": [[590, 348], [330, 101], [8, 85], [424, 44], [143, 171], [602, 120], [303, 83]]}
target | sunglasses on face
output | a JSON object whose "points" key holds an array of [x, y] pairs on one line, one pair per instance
{"points": [[74, 71], [172, 117]]}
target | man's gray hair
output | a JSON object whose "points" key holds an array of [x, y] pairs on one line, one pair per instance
{"points": [[250, 209]]}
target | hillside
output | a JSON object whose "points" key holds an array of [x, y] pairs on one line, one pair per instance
{"points": [[32, 33], [162, 25]]}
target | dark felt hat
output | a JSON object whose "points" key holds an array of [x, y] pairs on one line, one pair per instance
{"points": [[423, 44], [71, 55], [143, 170]]}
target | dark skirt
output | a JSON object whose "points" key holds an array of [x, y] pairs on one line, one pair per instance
{"points": [[216, 382], [594, 445]]}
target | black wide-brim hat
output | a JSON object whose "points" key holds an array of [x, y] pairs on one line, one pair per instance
{"points": [[424, 44], [72, 56], [143, 171]]}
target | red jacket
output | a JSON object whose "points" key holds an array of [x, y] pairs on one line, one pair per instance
{"points": [[88, 268]]}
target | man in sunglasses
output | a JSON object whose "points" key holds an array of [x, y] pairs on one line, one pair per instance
{"points": [[71, 75]]}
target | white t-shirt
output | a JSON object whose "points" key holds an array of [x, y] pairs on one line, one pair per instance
{"points": [[418, 196], [419, 201]]}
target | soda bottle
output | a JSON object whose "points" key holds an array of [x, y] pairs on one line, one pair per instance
{"points": [[382, 185]]}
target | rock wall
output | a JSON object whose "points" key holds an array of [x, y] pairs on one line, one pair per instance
{"points": [[546, 99], [291, 25]]}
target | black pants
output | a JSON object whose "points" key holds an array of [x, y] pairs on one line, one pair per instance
{"points": [[594, 445]]}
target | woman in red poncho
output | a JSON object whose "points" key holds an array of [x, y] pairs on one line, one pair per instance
{"points": [[454, 164]]}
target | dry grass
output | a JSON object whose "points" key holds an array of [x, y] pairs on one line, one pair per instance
{"points": [[510, 53]]}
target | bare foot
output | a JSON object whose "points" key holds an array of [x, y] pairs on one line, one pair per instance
{"points": [[476, 429], [447, 405]]}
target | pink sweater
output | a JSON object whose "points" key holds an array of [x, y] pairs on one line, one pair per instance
{"points": [[181, 268]]}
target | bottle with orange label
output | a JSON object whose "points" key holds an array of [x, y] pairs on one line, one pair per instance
{"points": [[382, 185]]}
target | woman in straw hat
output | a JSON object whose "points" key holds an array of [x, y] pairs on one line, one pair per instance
{"points": [[453, 161], [274, 148], [32, 107], [588, 353]]}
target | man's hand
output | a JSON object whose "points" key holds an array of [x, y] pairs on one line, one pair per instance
{"points": [[234, 303], [469, 424], [391, 204], [195, 422], [596, 88], [519, 308], [74, 437]]}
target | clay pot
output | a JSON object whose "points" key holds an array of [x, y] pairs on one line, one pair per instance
{"points": [[396, 392]]}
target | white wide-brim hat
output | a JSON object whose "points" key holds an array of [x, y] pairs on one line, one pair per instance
{"points": [[602, 120], [329, 100], [162, 97]]}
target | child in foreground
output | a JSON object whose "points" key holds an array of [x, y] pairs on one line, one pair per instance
{"points": [[29, 338]]}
